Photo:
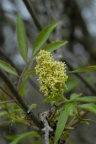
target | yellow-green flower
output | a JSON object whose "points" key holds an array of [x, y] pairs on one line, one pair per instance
{"points": [[52, 75]]}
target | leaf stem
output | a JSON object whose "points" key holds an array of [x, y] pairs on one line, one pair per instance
{"points": [[53, 114], [79, 120], [10, 101], [26, 68]]}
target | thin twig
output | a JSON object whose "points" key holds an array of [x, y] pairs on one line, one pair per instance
{"points": [[26, 68], [53, 114], [79, 120], [9, 101], [20, 77]]}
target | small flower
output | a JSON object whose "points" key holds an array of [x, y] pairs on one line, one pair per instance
{"points": [[52, 75]]}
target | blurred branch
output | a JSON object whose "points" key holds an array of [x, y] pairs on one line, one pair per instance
{"points": [[28, 4], [76, 20], [73, 11], [20, 99], [88, 44]]}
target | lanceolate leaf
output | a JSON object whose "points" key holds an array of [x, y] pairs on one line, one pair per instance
{"points": [[86, 99], [22, 39], [62, 120], [24, 136], [89, 107], [53, 46], [89, 68], [8, 68], [60, 125], [43, 37]]}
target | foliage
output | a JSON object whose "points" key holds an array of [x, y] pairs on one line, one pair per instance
{"points": [[66, 113]]}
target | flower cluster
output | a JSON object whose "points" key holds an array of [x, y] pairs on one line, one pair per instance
{"points": [[52, 75]]}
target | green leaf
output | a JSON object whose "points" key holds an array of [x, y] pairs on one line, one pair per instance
{"points": [[24, 136], [38, 141], [33, 106], [8, 68], [10, 137], [30, 72], [89, 107], [62, 120], [89, 68], [50, 99], [21, 37], [53, 46], [86, 99], [51, 141], [60, 125], [71, 84], [43, 37], [75, 95]]}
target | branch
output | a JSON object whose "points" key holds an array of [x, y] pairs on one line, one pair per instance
{"points": [[28, 4], [20, 100], [46, 128], [76, 20]]}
